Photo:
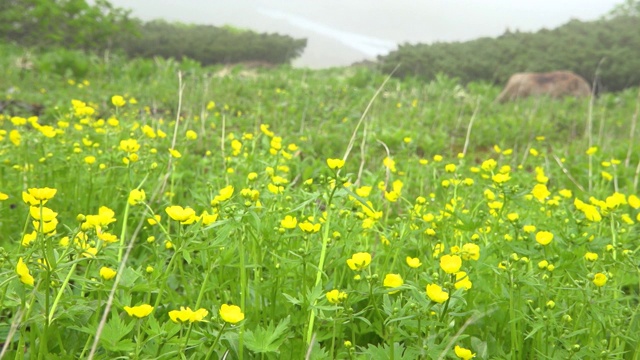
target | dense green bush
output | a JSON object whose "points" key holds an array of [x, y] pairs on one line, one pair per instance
{"points": [[612, 44], [210, 44], [64, 23]]}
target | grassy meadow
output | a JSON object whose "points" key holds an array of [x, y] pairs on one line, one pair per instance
{"points": [[159, 210]]}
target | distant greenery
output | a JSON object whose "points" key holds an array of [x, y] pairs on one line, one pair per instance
{"points": [[210, 44], [614, 43], [100, 26], [63, 23]]}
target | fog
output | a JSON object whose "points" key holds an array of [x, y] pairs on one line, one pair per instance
{"points": [[342, 32]]}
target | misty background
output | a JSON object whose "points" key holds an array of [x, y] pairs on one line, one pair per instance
{"points": [[343, 32]]}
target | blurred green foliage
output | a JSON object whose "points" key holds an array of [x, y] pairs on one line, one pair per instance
{"points": [[210, 44], [101, 27], [63, 23], [611, 45]]}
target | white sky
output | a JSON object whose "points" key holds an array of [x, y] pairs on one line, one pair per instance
{"points": [[340, 32]]}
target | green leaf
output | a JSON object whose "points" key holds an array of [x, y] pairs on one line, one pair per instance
{"points": [[267, 340]]}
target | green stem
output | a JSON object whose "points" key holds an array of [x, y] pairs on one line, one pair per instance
{"points": [[60, 292], [243, 292], [212, 348], [123, 233], [323, 255]]}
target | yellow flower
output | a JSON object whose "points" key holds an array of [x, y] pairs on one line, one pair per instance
{"points": [[540, 192], [413, 262], [187, 315], [27, 239], [501, 178], [15, 137], [592, 150], [633, 201], [42, 194], [336, 296], [335, 164], [129, 145], [118, 101], [107, 273], [136, 196], [436, 294], [390, 164], [529, 228], [47, 226], [450, 168], [178, 213], [42, 213], [590, 256], [392, 281], [309, 227], [23, 273], [464, 354], [544, 237], [231, 313], [462, 281], [139, 311], [450, 263], [513, 217], [191, 135], [289, 222], [3, 196], [175, 153], [600, 279], [470, 251], [359, 261], [224, 194]]}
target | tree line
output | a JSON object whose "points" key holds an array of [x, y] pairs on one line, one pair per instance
{"points": [[99, 26], [609, 47]]}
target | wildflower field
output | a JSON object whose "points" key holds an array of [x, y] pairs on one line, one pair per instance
{"points": [[155, 210]]}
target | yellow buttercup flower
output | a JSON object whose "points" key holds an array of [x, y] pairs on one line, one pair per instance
{"points": [[335, 164], [450, 263], [600, 279], [392, 281], [544, 237], [590, 256], [359, 261], [175, 153], [289, 222], [462, 281], [187, 315], [191, 135], [42, 213], [633, 201], [540, 192], [464, 354], [436, 294], [501, 178], [470, 251], [223, 195], [42, 194], [413, 262], [139, 311], [309, 227], [136, 196], [107, 273], [336, 296], [231, 313], [23, 273], [118, 101], [3, 196], [178, 213]]}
